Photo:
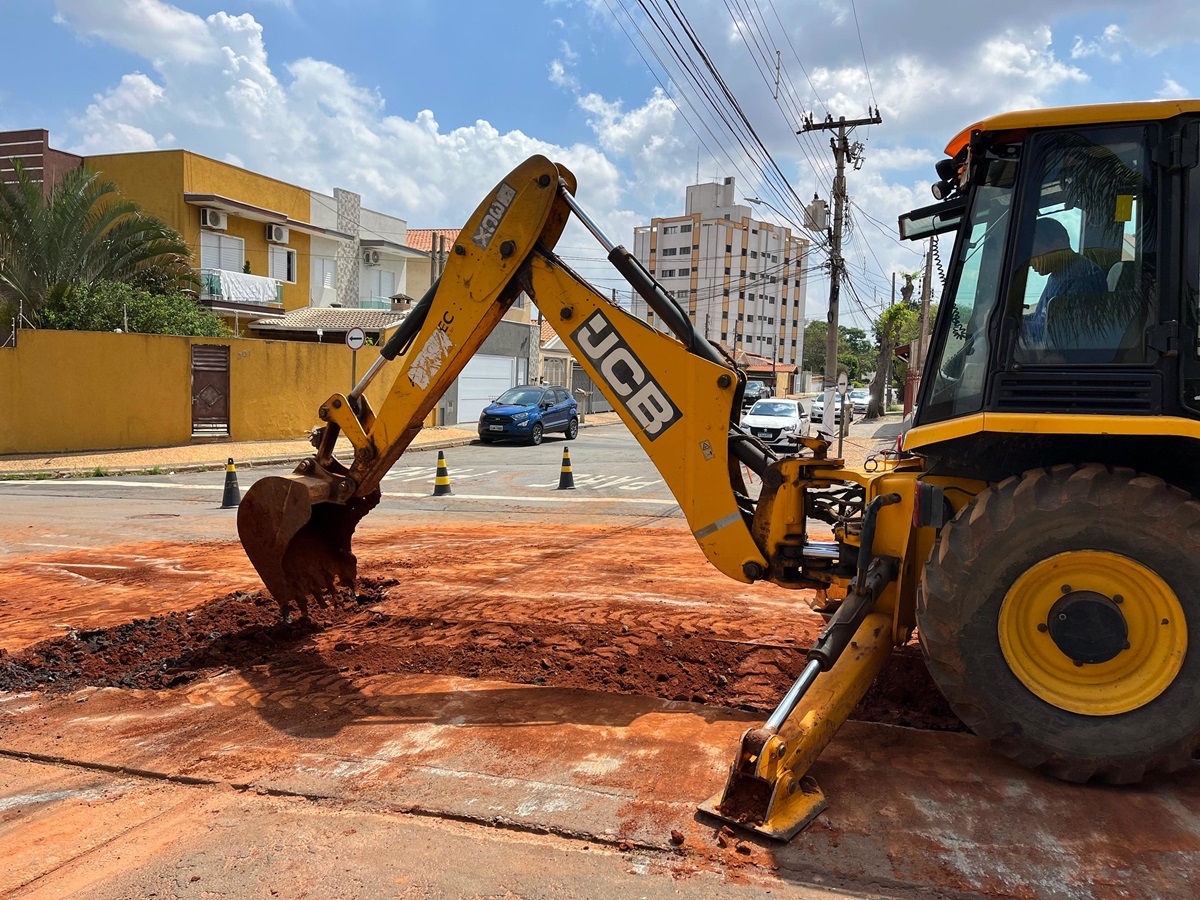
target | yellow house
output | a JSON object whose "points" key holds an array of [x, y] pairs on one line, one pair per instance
{"points": [[250, 235]]}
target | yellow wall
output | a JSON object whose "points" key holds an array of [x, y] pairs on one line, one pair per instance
{"points": [[79, 390], [157, 181]]}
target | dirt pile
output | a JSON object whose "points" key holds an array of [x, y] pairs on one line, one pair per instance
{"points": [[361, 637]]}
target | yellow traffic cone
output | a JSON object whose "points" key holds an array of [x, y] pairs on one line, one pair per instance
{"points": [[566, 481], [233, 495], [441, 484]]}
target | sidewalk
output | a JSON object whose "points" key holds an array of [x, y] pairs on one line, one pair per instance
{"points": [[207, 456]]}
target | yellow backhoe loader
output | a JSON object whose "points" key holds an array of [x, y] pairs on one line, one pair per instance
{"points": [[1039, 531]]}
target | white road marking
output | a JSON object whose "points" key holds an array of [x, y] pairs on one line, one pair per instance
{"points": [[535, 498], [625, 482]]}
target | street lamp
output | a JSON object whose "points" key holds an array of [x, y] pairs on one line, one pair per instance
{"points": [[806, 227]]}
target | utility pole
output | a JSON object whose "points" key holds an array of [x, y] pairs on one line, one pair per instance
{"points": [[843, 152]]}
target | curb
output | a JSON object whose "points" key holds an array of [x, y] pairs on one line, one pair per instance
{"points": [[57, 474]]}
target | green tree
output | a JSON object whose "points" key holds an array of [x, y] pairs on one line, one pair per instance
{"points": [[82, 233], [113, 305], [856, 354], [815, 333], [893, 324]]}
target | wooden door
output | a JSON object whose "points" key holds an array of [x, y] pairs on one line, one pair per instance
{"points": [[210, 390]]}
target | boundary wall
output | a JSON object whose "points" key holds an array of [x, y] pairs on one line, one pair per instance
{"points": [[62, 391]]}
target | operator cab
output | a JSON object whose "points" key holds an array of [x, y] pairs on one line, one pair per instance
{"points": [[1065, 290]]}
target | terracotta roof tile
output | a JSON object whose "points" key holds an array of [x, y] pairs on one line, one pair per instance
{"points": [[423, 238], [548, 332], [310, 318]]}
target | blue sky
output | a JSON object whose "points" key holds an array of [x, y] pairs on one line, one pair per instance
{"points": [[422, 106]]}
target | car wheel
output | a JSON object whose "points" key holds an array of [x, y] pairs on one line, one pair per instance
{"points": [[572, 429], [535, 433], [486, 440]]}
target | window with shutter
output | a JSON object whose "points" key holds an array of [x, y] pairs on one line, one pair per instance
{"points": [[221, 251], [283, 264]]}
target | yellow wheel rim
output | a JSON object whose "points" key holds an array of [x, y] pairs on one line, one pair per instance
{"points": [[1119, 588]]}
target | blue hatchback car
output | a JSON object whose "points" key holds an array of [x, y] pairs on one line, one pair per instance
{"points": [[529, 411]]}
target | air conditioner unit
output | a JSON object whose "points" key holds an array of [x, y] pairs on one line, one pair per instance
{"points": [[371, 257], [277, 234], [215, 219]]}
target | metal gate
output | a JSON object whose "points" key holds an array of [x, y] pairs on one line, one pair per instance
{"points": [[210, 390], [586, 394]]}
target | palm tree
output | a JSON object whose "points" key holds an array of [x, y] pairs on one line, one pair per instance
{"points": [[83, 232]]}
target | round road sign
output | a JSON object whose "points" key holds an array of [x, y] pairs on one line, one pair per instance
{"points": [[356, 338], [843, 383]]}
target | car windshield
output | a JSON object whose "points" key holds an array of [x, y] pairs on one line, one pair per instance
{"points": [[859, 394], [773, 408], [520, 396]]}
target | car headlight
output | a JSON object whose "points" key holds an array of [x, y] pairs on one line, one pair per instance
{"points": [[521, 417]]}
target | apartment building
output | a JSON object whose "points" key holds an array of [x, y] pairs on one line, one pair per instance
{"points": [[742, 281]]}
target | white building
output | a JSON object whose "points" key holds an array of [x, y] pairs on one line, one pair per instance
{"points": [[366, 270], [742, 281]]}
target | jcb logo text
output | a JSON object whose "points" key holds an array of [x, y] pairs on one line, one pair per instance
{"points": [[624, 373]]}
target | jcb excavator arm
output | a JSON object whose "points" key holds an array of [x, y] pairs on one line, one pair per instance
{"points": [[678, 394]]}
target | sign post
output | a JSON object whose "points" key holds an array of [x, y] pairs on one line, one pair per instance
{"points": [[843, 386], [356, 339]]}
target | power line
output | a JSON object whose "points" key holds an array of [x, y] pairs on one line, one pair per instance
{"points": [[866, 68]]}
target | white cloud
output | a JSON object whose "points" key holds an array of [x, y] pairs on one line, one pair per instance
{"points": [[105, 124], [560, 76], [148, 28], [1107, 46], [1172, 90], [214, 91]]}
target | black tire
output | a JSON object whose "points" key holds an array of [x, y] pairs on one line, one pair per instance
{"points": [[572, 431], [1019, 524], [486, 440], [535, 433]]}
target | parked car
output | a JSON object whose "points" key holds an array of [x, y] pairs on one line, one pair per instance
{"points": [[528, 412], [776, 421], [817, 412], [861, 398], [755, 391]]}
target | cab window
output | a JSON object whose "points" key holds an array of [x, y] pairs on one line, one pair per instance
{"points": [[1081, 286]]}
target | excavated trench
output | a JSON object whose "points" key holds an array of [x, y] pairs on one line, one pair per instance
{"points": [[371, 634]]}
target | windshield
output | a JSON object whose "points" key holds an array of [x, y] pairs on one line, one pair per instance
{"points": [[520, 396], [959, 363], [773, 408], [859, 394]]}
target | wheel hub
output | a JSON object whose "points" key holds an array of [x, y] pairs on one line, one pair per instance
{"points": [[1088, 627], [1092, 632]]}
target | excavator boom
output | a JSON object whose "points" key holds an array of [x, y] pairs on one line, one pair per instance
{"points": [[680, 396]]}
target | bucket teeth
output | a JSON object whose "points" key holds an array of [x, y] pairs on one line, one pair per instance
{"points": [[300, 549]]}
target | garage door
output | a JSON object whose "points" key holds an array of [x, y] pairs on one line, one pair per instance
{"points": [[483, 380]]}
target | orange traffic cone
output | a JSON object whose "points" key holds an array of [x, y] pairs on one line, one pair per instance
{"points": [[441, 484], [566, 481], [233, 495]]}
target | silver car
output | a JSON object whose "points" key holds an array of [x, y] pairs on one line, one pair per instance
{"points": [[776, 421], [861, 398], [840, 402]]}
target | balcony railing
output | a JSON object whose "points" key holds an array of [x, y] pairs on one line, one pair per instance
{"points": [[239, 287]]}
